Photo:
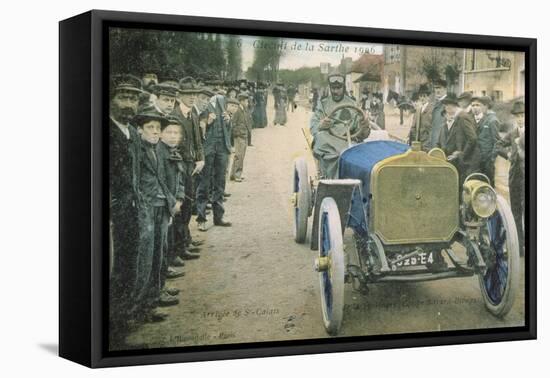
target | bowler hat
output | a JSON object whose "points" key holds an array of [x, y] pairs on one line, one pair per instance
{"points": [[485, 100], [423, 90], [518, 107], [465, 96], [232, 101], [187, 85], [450, 99]]}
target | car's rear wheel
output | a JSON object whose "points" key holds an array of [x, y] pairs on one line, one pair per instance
{"points": [[499, 240], [301, 198], [330, 266]]}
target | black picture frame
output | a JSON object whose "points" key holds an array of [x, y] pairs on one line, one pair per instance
{"points": [[83, 106]]}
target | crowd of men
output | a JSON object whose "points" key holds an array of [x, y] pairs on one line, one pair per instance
{"points": [[467, 129], [170, 147]]}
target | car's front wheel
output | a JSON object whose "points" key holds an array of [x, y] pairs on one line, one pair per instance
{"points": [[499, 243], [330, 265]]}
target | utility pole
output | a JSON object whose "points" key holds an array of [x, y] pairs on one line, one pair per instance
{"points": [[403, 68]]}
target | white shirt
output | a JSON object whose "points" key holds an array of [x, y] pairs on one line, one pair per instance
{"points": [[185, 110], [478, 117], [123, 128]]}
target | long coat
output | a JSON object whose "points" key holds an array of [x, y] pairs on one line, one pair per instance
{"points": [[173, 171], [209, 137], [438, 125], [191, 144], [153, 177], [124, 166], [487, 136], [462, 138], [425, 127]]}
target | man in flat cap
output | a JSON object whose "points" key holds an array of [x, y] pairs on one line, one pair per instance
{"points": [[422, 119], [460, 139], [124, 152], [165, 93], [512, 147], [487, 126], [326, 146], [217, 148], [241, 126]]}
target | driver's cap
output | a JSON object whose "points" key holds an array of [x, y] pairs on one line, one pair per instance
{"points": [[336, 80]]}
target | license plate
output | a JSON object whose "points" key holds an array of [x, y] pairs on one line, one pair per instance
{"points": [[420, 259]]}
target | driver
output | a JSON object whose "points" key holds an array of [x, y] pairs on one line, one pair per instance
{"points": [[331, 135]]}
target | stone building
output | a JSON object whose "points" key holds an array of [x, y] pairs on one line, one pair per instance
{"points": [[498, 74], [407, 67]]}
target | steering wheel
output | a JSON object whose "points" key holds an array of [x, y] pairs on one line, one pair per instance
{"points": [[354, 115]]}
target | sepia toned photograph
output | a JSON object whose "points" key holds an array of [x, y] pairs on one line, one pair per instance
{"points": [[269, 189]]}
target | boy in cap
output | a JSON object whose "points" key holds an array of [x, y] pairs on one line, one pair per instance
{"points": [[487, 126], [241, 124], [165, 93], [124, 152], [170, 158], [512, 147], [158, 206]]}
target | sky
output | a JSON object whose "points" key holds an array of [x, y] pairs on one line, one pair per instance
{"points": [[307, 52]]}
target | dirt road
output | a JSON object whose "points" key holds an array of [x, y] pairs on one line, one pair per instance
{"points": [[253, 283]]}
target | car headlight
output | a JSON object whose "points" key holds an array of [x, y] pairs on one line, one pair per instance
{"points": [[484, 201]]}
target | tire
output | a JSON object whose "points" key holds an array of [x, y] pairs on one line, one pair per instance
{"points": [[331, 280], [499, 283], [302, 199]]}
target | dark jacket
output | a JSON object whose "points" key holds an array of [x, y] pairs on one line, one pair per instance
{"points": [[173, 169], [153, 186], [425, 122], [439, 125], [124, 156], [462, 138], [487, 136], [512, 147], [219, 124], [191, 144], [241, 123]]}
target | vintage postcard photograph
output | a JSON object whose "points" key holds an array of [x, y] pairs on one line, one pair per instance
{"points": [[274, 189]]}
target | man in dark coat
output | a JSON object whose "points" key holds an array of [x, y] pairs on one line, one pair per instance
{"points": [[241, 124], [217, 147], [438, 117], [191, 150], [124, 151], [512, 147], [422, 120], [487, 126], [460, 140], [260, 102]]}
